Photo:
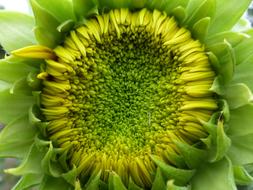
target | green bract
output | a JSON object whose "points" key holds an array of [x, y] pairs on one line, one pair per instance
{"points": [[128, 95]]}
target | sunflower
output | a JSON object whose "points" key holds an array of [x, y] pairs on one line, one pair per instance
{"points": [[127, 95]]}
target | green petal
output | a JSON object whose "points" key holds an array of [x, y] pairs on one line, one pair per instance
{"points": [[227, 61], [49, 163], [171, 186], [238, 95], [218, 142], [33, 81], [242, 25], [193, 5], [13, 105], [115, 182], [93, 182], [243, 74], [66, 26], [51, 183], [16, 30], [223, 142], [192, 156], [16, 138], [71, 176], [28, 181], [172, 4], [240, 122], [21, 87], [228, 12], [218, 176], [30, 164], [84, 8], [179, 13], [200, 28], [241, 134], [4, 86], [243, 53], [181, 176], [114, 4], [46, 31], [62, 10], [204, 9], [234, 38], [133, 186], [11, 71]]}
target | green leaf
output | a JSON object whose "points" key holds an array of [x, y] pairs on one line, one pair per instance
{"points": [[242, 177], [51, 183], [228, 12], [181, 176], [13, 105], [115, 182], [28, 181], [16, 30], [62, 10], [234, 38], [200, 28], [30, 164], [204, 9], [218, 176], [238, 95], [16, 138], [240, 132], [158, 183], [46, 31]]}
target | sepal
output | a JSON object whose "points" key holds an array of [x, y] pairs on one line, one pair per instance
{"points": [[159, 182], [241, 175], [181, 176], [16, 30]]}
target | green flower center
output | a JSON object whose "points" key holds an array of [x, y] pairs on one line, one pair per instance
{"points": [[125, 86]]}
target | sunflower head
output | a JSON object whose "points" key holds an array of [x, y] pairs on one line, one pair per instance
{"points": [[127, 95]]}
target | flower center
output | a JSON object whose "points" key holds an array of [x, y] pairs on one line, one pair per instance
{"points": [[127, 85]]}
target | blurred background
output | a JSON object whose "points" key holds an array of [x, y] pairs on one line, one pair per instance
{"points": [[8, 181]]}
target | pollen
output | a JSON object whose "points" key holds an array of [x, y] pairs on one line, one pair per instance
{"points": [[125, 86]]}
